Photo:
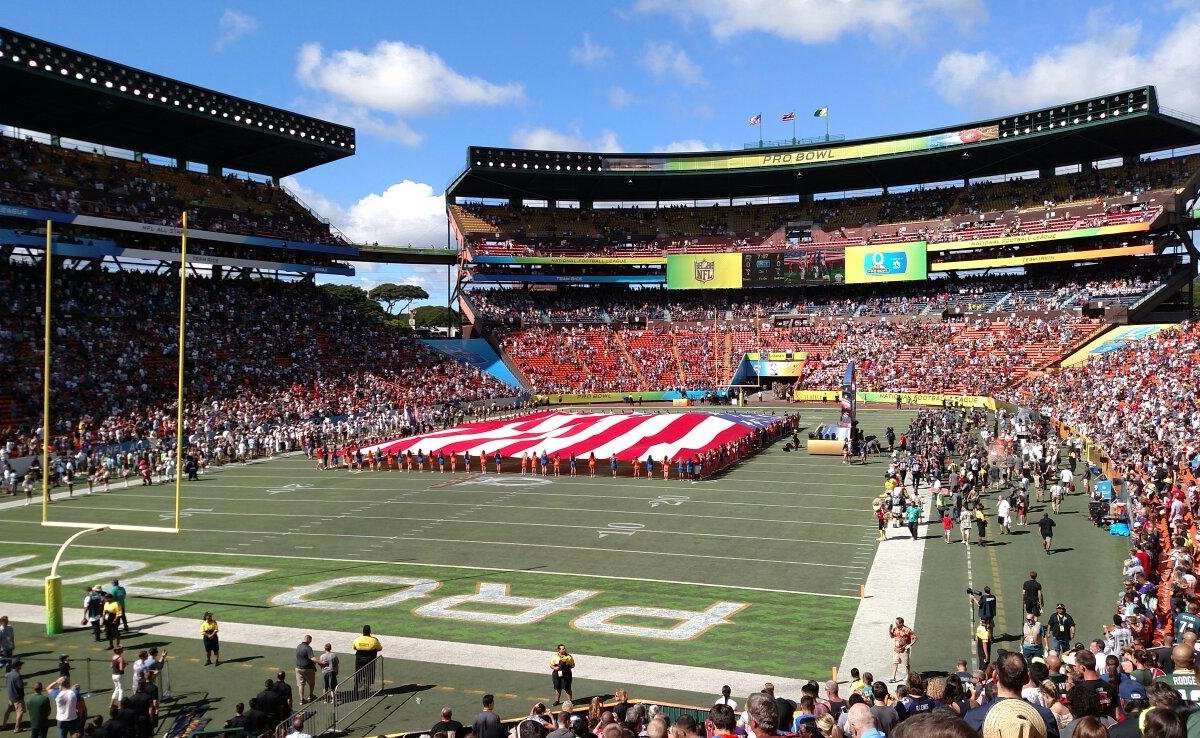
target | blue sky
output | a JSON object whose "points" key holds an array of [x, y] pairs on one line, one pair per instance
{"points": [[422, 81]]}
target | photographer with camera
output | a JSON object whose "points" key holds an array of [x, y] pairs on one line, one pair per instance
{"points": [[985, 601]]}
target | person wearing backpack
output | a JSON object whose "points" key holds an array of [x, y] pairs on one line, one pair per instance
{"points": [[93, 609]]}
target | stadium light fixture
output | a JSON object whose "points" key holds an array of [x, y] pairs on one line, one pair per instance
{"points": [[16, 59]]}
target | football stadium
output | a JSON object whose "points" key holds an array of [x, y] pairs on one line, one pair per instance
{"points": [[824, 437]]}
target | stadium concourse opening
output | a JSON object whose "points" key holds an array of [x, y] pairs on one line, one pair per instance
{"points": [[696, 444]]}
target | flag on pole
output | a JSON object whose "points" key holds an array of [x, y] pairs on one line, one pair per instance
{"points": [[821, 113], [756, 119], [789, 116]]}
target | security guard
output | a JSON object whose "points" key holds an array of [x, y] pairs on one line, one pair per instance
{"points": [[366, 650]]}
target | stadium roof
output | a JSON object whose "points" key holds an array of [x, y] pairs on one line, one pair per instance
{"points": [[63, 92], [1127, 124]]}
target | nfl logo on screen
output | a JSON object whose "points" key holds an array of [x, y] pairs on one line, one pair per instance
{"points": [[705, 271]]}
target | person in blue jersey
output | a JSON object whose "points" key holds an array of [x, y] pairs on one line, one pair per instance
{"points": [[612, 464]]}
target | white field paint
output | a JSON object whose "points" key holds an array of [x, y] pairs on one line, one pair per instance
{"points": [[188, 580]]}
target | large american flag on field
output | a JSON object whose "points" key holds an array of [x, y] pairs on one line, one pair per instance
{"points": [[628, 436]]}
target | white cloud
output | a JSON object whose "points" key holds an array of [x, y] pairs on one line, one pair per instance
{"points": [[590, 54], [234, 24], [569, 140], [819, 21], [668, 60], [405, 213], [396, 80], [619, 97], [691, 144], [1111, 56]]}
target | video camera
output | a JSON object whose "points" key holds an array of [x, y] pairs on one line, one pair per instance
{"points": [[974, 592]]}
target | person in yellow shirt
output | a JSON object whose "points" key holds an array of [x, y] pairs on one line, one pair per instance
{"points": [[561, 666], [111, 617], [212, 642], [366, 650]]}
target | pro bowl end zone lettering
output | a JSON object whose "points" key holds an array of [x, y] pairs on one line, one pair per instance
{"points": [[476, 607]]}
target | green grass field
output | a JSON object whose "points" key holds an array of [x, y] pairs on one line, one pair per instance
{"points": [[781, 542], [786, 537]]}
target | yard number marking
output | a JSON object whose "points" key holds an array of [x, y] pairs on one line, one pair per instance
{"points": [[619, 529]]}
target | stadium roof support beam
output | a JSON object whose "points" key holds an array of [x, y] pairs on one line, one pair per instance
{"points": [[63, 92]]}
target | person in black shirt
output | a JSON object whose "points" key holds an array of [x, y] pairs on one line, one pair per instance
{"points": [[448, 725], [284, 690], [268, 702], [141, 703], [257, 721], [239, 717], [1031, 593], [1046, 530], [487, 722], [1062, 628], [986, 601], [785, 707]]}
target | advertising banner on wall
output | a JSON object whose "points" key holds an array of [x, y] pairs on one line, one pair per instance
{"points": [[895, 262], [704, 271]]}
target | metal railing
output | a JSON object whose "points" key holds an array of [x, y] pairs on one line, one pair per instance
{"points": [[782, 143], [322, 715]]}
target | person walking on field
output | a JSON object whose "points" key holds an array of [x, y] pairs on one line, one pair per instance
{"points": [[903, 640], [1046, 529]]}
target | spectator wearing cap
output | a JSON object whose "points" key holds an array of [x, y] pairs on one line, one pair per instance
{"points": [[1062, 628], [1133, 702], [833, 704], [1019, 718], [1012, 673]]}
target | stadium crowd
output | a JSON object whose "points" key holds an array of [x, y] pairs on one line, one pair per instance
{"points": [[89, 183], [272, 366], [1122, 194]]}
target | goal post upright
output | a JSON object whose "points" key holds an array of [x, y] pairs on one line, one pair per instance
{"points": [[179, 382], [46, 379]]}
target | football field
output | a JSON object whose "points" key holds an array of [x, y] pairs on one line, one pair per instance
{"points": [[642, 569], [757, 570]]}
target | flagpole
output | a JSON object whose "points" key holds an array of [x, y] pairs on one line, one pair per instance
{"points": [[826, 125], [793, 130], [760, 138]]}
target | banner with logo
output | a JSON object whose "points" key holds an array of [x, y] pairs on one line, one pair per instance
{"points": [[792, 157], [1115, 339], [983, 243], [704, 271], [1014, 261], [895, 262]]}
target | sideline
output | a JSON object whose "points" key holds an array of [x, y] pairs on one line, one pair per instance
{"points": [[891, 592], [591, 667]]}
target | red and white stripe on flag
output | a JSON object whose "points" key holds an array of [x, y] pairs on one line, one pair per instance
{"points": [[789, 116], [627, 436], [755, 119]]}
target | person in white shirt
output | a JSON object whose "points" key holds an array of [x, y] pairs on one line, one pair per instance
{"points": [[66, 701], [724, 698], [1056, 495], [1002, 514]]}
